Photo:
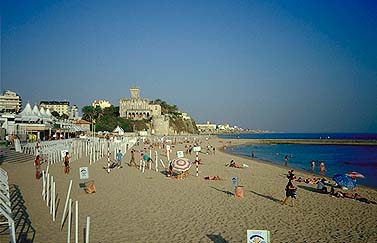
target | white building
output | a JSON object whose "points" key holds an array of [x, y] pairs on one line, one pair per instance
{"points": [[10, 102], [74, 113], [101, 103], [185, 116], [61, 107]]}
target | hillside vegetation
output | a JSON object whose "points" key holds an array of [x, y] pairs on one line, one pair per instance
{"points": [[108, 119]]}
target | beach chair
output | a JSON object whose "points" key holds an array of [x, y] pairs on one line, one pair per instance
{"points": [[183, 175]]}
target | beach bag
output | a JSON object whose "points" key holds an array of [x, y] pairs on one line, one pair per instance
{"points": [[90, 188], [238, 192]]}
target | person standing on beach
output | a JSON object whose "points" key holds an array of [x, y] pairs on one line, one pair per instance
{"points": [[286, 160], [37, 164], [66, 163], [322, 168], [132, 161], [146, 158], [312, 165], [119, 157]]}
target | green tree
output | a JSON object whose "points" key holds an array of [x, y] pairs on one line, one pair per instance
{"points": [[88, 113]]}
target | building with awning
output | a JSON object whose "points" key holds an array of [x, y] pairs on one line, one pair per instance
{"points": [[85, 125], [33, 122]]}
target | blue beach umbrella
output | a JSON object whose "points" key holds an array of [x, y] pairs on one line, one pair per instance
{"points": [[344, 181]]}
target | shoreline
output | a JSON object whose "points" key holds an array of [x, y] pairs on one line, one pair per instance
{"points": [[303, 171]]}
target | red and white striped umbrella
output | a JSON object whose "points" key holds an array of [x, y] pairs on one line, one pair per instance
{"points": [[355, 174], [181, 164]]}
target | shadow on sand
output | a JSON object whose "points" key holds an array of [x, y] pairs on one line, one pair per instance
{"points": [[217, 238], [24, 230], [267, 197], [308, 188], [226, 192]]}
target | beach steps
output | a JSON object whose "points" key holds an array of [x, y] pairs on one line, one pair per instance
{"points": [[11, 156]]}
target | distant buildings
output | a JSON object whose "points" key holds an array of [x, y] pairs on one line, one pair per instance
{"points": [[101, 103], [185, 116], [208, 127], [74, 113], [61, 107], [137, 108], [10, 102]]}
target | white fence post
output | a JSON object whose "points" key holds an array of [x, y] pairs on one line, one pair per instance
{"points": [[66, 204], [87, 229]]}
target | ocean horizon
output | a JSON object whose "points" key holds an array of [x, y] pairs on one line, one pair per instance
{"points": [[338, 159]]}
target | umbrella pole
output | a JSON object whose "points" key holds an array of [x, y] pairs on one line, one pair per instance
{"points": [[156, 160], [197, 163]]}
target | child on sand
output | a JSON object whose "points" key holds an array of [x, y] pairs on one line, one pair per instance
{"points": [[290, 191]]}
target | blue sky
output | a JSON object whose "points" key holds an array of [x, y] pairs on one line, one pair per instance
{"points": [[293, 66]]}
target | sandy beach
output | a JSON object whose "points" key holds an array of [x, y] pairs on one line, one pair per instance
{"points": [[133, 207]]}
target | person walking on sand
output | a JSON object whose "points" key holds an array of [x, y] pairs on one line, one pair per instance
{"points": [[290, 191], [132, 161], [66, 163]]}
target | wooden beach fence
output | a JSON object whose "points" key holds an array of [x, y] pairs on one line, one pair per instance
{"points": [[49, 185], [156, 160]]}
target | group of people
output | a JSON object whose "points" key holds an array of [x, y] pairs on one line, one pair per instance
{"points": [[355, 196], [119, 158]]}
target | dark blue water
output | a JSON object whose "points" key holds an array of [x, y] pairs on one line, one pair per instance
{"points": [[337, 158], [344, 136]]}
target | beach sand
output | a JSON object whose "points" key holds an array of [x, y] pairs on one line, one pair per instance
{"points": [[133, 207]]}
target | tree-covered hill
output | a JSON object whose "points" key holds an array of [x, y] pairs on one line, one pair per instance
{"points": [[108, 119]]}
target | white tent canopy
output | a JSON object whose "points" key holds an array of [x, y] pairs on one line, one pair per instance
{"points": [[119, 130], [29, 115]]}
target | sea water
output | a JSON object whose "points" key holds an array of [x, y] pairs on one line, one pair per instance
{"points": [[338, 159]]}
